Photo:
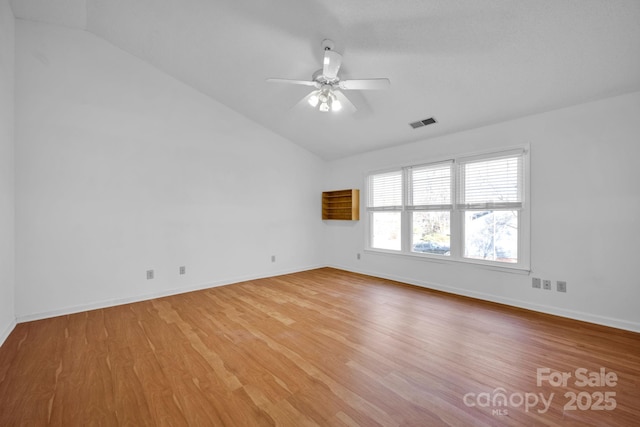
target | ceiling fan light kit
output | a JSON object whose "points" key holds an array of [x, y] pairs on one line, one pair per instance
{"points": [[324, 99], [327, 95]]}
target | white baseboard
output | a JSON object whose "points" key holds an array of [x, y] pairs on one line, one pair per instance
{"points": [[7, 331], [571, 314], [145, 297], [556, 311]]}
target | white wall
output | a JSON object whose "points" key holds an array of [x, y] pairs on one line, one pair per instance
{"points": [[121, 168], [7, 197], [585, 213]]}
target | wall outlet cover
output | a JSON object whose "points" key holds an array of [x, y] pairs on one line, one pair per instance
{"points": [[561, 286], [546, 284], [536, 283]]}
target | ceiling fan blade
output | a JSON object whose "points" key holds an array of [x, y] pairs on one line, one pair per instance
{"points": [[295, 82], [347, 105], [364, 84], [331, 64]]}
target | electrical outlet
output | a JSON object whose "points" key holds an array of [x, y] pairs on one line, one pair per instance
{"points": [[536, 283], [546, 284], [273, 258], [183, 270], [149, 274], [358, 256], [561, 286]]}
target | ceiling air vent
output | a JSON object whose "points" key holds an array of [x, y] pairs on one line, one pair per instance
{"points": [[421, 123]]}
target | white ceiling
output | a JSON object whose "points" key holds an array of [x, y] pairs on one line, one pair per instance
{"points": [[466, 63]]}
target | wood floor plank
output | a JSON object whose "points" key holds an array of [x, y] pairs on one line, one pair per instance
{"points": [[318, 348]]}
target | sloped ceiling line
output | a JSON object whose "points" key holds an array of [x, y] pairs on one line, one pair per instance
{"points": [[468, 64]]}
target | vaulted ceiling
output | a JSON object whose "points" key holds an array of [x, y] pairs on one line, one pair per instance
{"points": [[466, 63]]}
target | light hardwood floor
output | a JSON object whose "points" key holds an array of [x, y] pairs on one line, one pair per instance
{"points": [[322, 347]]}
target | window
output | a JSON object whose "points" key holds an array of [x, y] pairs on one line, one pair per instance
{"points": [[491, 197], [429, 206], [385, 206], [465, 209]]}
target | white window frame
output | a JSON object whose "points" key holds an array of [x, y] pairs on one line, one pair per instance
{"points": [[458, 210]]}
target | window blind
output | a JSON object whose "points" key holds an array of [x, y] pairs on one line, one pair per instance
{"points": [[430, 187], [492, 183], [385, 191]]}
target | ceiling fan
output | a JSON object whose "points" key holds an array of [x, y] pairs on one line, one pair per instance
{"points": [[327, 95]]}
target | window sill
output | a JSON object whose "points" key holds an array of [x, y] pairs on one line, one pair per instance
{"points": [[453, 261]]}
